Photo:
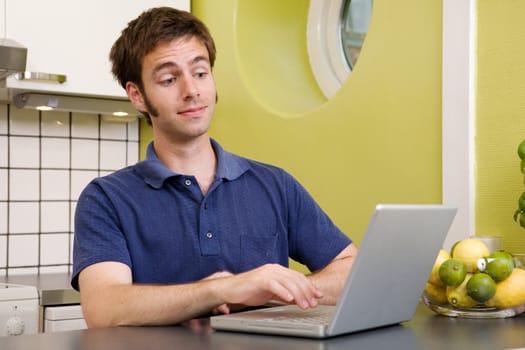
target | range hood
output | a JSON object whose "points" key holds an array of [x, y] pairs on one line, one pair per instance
{"points": [[13, 57]]}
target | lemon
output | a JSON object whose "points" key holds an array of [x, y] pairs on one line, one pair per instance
{"points": [[469, 251], [481, 287], [434, 278], [510, 292], [453, 247], [452, 272], [499, 265], [436, 293], [458, 297]]}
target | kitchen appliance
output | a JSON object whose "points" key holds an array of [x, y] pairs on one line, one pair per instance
{"points": [[19, 309], [63, 318]]}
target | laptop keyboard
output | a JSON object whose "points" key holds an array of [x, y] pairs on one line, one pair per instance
{"points": [[311, 316]]}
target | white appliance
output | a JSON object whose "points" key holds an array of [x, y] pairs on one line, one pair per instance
{"points": [[63, 318], [19, 309]]}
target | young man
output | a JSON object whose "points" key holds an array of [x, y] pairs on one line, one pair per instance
{"points": [[193, 229]]}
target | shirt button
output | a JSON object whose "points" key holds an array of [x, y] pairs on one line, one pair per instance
{"points": [[187, 182], [209, 235]]}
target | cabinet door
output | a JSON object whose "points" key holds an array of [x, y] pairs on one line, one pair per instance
{"points": [[73, 38]]}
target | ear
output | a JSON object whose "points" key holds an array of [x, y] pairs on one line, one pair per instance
{"points": [[135, 96]]}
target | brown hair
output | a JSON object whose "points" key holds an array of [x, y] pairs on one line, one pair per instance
{"points": [[143, 34]]}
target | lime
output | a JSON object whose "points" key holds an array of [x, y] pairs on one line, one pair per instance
{"points": [[499, 266], [521, 149], [434, 274], [452, 272], [481, 287]]}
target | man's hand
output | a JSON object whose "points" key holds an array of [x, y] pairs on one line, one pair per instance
{"points": [[266, 283]]}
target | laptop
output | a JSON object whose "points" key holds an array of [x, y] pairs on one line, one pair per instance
{"points": [[384, 287]]}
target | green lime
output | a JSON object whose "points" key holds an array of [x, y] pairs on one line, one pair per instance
{"points": [[499, 265], [452, 272], [521, 149], [481, 287], [501, 254]]}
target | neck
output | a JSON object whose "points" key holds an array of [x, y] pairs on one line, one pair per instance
{"points": [[196, 158]]}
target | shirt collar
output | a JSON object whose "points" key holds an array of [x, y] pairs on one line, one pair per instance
{"points": [[154, 172]]}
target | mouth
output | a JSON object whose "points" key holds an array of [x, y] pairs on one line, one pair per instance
{"points": [[193, 111]]}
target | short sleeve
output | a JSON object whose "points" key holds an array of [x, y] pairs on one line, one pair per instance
{"points": [[314, 239], [98, 234]]}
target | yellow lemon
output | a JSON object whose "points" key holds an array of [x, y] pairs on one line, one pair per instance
{"points": [[458, 297], [469, 251], [434, 278], [510, 292], [436, 293]]}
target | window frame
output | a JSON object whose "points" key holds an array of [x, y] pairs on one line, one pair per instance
{"points": [[324, 42]]}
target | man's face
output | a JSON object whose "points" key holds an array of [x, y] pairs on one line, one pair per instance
{"points": [[179, 89]]}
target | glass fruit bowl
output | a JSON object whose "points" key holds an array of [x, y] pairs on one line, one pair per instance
{"points": [[474, 312], [479, 311]]}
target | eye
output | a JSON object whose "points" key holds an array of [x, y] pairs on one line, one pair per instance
{"points": [[201, 75], [168, 81]]}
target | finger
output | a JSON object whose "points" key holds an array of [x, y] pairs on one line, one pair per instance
{"points": [[222, 309], [294, 291], [304, 291]]}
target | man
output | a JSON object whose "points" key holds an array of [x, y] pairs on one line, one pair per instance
{"points": [[193, 229]]}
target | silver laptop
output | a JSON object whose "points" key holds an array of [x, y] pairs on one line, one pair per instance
{"points": [[384, 287]]}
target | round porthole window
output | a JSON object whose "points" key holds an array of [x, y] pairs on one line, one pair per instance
{"points": [[335, 36]]}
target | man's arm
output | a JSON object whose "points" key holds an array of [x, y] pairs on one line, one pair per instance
{"points": [[330, 280], [109, 298]]}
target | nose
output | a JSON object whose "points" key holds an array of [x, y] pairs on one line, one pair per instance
{"points": [[190, 87]]}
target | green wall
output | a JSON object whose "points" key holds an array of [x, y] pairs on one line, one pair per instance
{"points": [[500, 119], [377, 140]]}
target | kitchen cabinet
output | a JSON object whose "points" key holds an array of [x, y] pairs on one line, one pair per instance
{"points": [[71, 38]]}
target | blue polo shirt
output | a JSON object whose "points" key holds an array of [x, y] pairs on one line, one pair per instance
{"points": [[161, 225]]}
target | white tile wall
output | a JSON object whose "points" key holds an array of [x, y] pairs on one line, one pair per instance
{"points": [[46, 160], [24, 184], [112, 155], [3, 185], [24, 152], [55, 153], [23, 217], [54, 184], [3, 221], [3, 151], [55, 124], [23, 122], [23, 250], [84, 154]]}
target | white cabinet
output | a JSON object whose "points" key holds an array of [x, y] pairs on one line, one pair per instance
{"points": [[72, 38]]}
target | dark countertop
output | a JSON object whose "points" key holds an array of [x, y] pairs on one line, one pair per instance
{"points": [[53, 288], [425, 331]]}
